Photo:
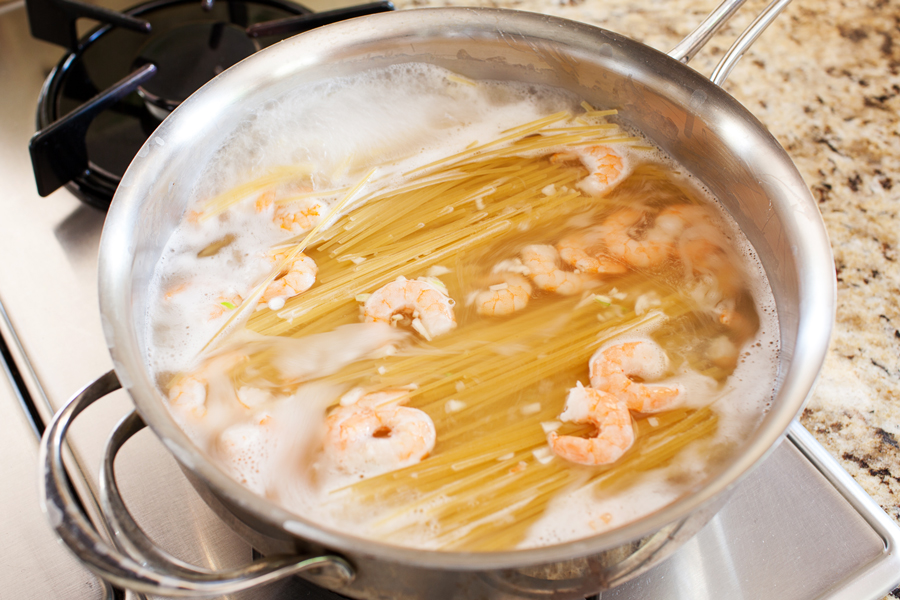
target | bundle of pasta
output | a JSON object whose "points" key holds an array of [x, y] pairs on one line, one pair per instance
{"points": [[536, 251]]}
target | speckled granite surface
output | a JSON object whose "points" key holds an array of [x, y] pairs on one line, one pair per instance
{"points": [[825, 79]]}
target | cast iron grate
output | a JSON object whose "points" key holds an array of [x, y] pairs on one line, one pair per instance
{"points": [[110, 91]]}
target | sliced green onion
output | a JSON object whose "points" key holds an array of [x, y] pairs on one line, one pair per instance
{"points": [[603, 300]]}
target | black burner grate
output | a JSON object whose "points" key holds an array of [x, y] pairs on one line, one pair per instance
{"points": [[107, 96]]}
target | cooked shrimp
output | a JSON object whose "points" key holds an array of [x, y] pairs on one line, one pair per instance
{"points": [[225, 303], [612, 369], [542, 262], [705, 256], [605, 167], [741, 326], [584, 250], [376, 434], [189, 392], [615, 433], [176, 289], [301, 215], [624, 241], [504, 298], [297, 216], [264, 201], [701, 244], [424, 303], [295, 277], [677, 218]]}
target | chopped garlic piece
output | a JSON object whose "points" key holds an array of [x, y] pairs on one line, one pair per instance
{"points": [[352, 396], [604, 300], [436, 271], [586, 298], [511, 265], [645, 302], [519, 467], [251, 396], [453, 405], [437, 283], [543, 455], [460, 386], [653, 421], [549, 190], [549, 426], [531, 409], [420, 327]]}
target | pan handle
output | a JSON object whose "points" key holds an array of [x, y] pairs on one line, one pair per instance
{"points": [[740, 45], [141, 566], [695, 40], [687, 48]]}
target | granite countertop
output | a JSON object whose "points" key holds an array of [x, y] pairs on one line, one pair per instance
{"points": [[825, 80]]}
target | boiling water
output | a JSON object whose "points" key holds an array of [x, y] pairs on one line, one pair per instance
{"points": [[269, 435]]}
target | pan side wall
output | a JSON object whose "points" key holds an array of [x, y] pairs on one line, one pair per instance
{"points": [[698, 125]]}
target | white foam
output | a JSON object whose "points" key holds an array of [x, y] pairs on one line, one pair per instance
{"points": [[406, 116]]}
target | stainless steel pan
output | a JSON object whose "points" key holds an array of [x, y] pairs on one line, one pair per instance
{"points": [[708, 132]]}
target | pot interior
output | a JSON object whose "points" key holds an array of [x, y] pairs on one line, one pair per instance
{"points": [[709, 133]]}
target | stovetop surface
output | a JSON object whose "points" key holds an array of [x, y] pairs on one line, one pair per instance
{"points": [[797, 527]]}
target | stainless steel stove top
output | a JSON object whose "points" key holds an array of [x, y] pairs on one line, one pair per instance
{"points": [[798, 527]]}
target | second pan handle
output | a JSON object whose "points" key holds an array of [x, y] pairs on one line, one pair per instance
{"points": [[142, 566], [687, 48]]}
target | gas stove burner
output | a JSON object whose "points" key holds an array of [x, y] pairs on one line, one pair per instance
{"points": [[107, 96], [186, 58]]}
